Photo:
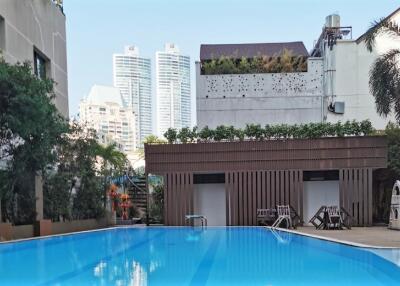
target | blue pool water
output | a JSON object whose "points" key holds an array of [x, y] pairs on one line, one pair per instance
{"points": [[190, 256]]}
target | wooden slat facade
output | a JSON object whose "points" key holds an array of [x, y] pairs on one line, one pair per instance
{"points": [[260, 193], [263, 174]]}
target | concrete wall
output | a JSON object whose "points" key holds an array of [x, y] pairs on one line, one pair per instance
{"points": [[317, 194], [78, 225], [237, 99], [28, 25], [349, 82], [27, 231], [210, 200], [22, 231]]}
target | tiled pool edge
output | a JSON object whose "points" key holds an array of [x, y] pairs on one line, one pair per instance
{"points": [[346, 242], [350, 243], [388, 253], [67, 233]]}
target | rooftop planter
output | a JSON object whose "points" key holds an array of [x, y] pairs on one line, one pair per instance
{"points": [[286, 62], [268, 132]]}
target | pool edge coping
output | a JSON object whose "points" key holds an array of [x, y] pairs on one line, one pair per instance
{"points": [[345, 242], [68, 233]]}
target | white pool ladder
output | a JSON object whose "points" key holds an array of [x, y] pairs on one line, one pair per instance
{"points": [[283, 215]]}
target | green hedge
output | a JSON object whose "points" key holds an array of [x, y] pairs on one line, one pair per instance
{"points": [[285, 62], [280, 131]]}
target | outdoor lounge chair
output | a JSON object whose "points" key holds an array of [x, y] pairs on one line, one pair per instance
{"points": [[331, 217], [318, 220], [283, 213], [334, 218]]}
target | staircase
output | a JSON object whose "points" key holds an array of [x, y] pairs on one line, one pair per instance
{"points": [[137, 192]]}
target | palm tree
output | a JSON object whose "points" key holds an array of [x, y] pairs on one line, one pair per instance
{"points": [[113, 161], [112, 158], [384, 78]]}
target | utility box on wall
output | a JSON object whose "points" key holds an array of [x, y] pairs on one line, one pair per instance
{"points": [[339, 107]]}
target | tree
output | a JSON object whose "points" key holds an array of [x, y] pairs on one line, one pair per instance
{"points": [[31, 127], [113, 163], [73, 177], [185, 135], [206, 134], [171, 135], [384, 178], [112, 160], [384, 81]]}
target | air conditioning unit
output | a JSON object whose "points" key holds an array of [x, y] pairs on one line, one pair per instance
{"points": [[336, 107]]}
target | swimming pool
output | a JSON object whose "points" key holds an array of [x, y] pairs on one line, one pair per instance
{"points": [[190, 256]]}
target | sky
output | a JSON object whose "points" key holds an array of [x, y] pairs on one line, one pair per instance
{"points": [[98, 28]]}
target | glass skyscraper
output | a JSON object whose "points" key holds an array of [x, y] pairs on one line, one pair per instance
{"points": [[173, 89], [132, 75]]}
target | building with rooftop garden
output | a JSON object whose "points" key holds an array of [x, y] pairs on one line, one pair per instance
{"points": [[272, 83], [227, 178], [256, 89], [34, 31]]}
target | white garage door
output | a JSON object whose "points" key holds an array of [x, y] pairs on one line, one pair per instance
{"points": [[209, 200], [317, 194]]}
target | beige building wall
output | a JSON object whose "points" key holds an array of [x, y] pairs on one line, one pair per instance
{"points": [[29, 26]]}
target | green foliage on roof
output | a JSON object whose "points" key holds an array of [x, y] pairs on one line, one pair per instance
{"points": [[279, 131], [286, 62]]}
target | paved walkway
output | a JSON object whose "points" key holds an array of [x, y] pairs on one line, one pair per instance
{"points": [[374, 236]]}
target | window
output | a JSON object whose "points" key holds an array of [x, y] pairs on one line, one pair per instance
{"points": [[39, 65]]}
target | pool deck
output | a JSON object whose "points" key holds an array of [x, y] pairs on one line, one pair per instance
{"points": [[376, 236]]}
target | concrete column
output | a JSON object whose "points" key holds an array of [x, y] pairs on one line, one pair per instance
{"points": [[39, 197]]}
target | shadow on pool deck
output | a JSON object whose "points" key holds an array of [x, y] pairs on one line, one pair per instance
{"points": [[375, 236]]}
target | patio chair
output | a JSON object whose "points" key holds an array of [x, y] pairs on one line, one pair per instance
{"points": [[296, 219], [318, 220], [334, 218], [283, 213], [265, 216], [347, 219]]}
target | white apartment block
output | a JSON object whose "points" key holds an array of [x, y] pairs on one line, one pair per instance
{"points": [[103, 111], [132, 75], [173, 89]]}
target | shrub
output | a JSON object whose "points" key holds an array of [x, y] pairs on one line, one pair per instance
{"points": [[279, 131], [283, 62], [171, 135]]}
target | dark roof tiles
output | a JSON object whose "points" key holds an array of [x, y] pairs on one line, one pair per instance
{"points": [[208, 52]]}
